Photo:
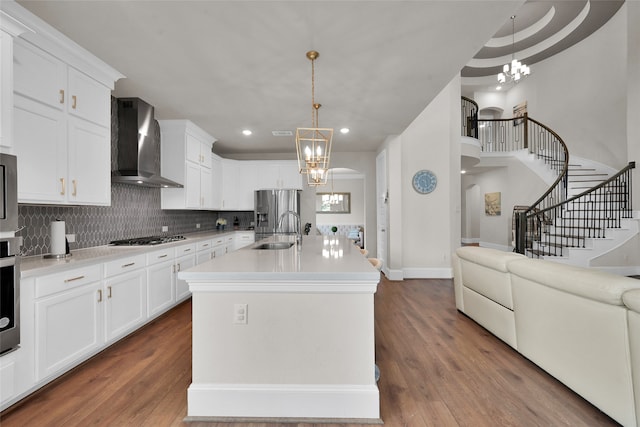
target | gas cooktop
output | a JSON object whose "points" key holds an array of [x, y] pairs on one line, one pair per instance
{"points": [[144, 241]]}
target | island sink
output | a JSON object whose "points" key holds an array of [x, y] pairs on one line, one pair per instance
{"points": [[274, 245]]}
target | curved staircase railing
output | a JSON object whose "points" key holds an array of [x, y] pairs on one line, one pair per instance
{"points": [[552, 222], [586, 215], [518, 133]]}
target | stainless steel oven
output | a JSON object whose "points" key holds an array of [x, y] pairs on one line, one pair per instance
{"points": [[9, 293], [8, 193], [9, 255]]}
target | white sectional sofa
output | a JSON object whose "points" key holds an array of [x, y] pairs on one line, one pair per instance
{"points": [[580, 325]]}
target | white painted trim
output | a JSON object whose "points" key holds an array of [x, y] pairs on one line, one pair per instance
{"points": [[57, 44], [469, 240], [393, 274], [283, 286], [428, 273], [283, 400]]}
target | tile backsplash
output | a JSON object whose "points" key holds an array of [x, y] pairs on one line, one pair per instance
{"points": [[134, 212]]}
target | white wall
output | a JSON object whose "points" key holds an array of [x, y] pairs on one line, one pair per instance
{"points": [[633, 93], [430, 222], [517, 184]]}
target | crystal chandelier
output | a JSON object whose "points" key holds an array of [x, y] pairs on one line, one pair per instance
{"points": [[314, 144], [516, 70]]}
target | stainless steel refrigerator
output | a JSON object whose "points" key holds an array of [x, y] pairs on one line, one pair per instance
{"points": [[272, 206]]}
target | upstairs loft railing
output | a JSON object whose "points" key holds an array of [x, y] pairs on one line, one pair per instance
{"points": [[469, 116], [519, 133], [586, 215]]}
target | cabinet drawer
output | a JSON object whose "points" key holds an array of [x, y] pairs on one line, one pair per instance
{"points": [[51, 284], [205, 244], [124, 265], [218, 241], [185, 250], [162, 255]]}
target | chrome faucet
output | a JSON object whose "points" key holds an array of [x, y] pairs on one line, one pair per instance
{"points": [[299, 229]]}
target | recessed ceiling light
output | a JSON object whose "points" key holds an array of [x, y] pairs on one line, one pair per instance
{"points": [[246, 132], [463, 171], [498, 87], [344, 130]]}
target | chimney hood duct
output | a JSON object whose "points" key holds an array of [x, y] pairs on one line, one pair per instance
{"points": [[139, 146]]}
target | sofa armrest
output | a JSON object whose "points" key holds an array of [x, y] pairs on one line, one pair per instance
{"points": [[585, 282], [632, 300]]}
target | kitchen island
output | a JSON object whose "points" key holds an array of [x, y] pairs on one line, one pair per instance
{"points": [[284, 333]]}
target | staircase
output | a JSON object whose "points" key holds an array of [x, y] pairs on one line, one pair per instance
{"points": [[591, 222], [587, 210]]}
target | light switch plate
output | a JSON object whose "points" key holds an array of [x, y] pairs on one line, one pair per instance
{"points": [[240, 314]]}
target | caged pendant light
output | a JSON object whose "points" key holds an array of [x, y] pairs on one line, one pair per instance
{"points": [[314, 144]]}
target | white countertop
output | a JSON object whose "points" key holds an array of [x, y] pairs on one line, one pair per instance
{"points": [[321, 259], [38, 265]]}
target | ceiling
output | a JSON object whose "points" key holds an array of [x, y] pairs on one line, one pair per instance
{"points": [[234, 65]]}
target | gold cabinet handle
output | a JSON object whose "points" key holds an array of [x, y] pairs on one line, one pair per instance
{"points": [[74, 101], [73, 279], [99, 295], [61, 96], [63, 187], [75, 188], [109, 295]]}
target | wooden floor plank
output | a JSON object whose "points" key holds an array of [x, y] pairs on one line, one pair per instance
{"points": [[438, 368]]}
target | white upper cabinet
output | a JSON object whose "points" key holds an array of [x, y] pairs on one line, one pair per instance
{"points": [[62, 131], [278, 174], [186, 158], [241, 178], [9, 28]]}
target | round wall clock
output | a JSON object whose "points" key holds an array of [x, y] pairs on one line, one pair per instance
{"points": [[424, 181]]}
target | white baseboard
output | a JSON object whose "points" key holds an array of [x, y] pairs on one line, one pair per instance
{"points": [[427, 273], [283, 401], [470, 240], [393, 274]]}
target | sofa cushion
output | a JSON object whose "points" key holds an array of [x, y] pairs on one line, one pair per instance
{"points": [[485, 271], [585, 282], [488, 257], [632, 300]]}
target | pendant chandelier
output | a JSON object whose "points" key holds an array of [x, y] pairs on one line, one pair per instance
{"points": [[334, 198], [314, 144], [516, 70]]}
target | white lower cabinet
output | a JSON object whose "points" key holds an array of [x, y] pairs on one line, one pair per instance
{"points": [[160, 284], [69, 326], [70, 316], [182, 287], [204, 251], [125, 304], [243, 238]]}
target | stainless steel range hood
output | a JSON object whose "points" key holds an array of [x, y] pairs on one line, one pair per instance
{"points": [[139, 146]]}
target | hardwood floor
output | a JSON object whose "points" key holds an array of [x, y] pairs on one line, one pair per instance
{"points": [[438, 368]]}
